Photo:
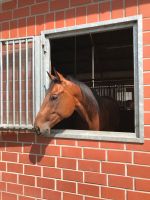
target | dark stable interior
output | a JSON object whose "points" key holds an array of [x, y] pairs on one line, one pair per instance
{"points": [[113, 69]]}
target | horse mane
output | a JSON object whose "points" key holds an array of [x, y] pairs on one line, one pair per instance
{"points": [[89, 96]]}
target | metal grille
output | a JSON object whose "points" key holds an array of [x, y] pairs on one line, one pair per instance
{"points": [[17, 83], [120, 90]]}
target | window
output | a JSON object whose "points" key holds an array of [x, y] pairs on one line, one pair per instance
{"points": [[106, 56]]}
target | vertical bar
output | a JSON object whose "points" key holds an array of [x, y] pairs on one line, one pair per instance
{"points": [[1, 75], [33, 93], [7, 83], [26, 81], [93, 66], [14, 102], [20, 90]]}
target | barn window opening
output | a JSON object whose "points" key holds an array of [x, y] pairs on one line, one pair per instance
{"points": [[105, 62]]}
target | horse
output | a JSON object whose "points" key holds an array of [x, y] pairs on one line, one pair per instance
{"points": [[67, 96]]}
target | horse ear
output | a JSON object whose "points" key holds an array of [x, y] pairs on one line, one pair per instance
{"points": [[59, 76], [51, 77]]}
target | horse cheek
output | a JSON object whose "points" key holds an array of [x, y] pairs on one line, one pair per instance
{"points": [[67, 107]]}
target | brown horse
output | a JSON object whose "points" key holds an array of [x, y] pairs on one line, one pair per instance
{"points": [[65, 96]]}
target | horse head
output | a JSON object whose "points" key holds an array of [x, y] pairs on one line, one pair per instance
{"points": [[59, 103]]}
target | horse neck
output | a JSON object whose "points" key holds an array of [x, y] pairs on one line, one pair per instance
{"points": [[89, 112]]}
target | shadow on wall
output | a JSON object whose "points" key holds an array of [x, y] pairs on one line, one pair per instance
{"points": [[39, 21]]}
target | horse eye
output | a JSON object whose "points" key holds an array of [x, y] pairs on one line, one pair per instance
{"points": [[53, 97]]}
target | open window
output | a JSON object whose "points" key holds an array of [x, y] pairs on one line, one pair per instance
{"points": [[107, 57]]}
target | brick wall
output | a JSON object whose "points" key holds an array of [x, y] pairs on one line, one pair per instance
{"points": [[57, 169]]}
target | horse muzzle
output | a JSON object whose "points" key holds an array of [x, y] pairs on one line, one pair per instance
{"points": [[44, 130]]}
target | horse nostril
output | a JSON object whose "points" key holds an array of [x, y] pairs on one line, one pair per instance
{"points": [[37, 130]]}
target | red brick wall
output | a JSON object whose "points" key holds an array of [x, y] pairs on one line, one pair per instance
{"points": [[40, 168]]}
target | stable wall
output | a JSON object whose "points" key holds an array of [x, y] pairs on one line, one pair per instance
{"points": [[33, 167]]}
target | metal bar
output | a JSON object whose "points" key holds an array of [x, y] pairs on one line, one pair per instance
{"points": [[7, 83], [1, 75], [14, 101], [33, 93], [26, 82], [20, 91]]}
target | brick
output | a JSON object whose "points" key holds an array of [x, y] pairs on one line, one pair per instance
{"points": [[92, 13], [51, 150], [49, 21], [27, 180], [21, 12], [44, 140], [22, 26], [27, 159], [81, 15], [66, 163], [45, 183], [117, 8], [9, 5], [104, 11], [7, 156], [30, 26], [90, 190], [95, 178], [52, 194], [32, 170], [139, 147], [111, 145], [22, 3], [146, 24], [73, 175], [146, 64], [2, 166], [15, 167], [66, 142], [131, 7], [79, 2], [142, 185], [25, 198], [147, 131], [2, 186], [2, 146], [120, 182], [70, 17], [32, 191], [142, 158], [147, 118], [146, 38], [9, 136], [68, 196], [92, 198], [93, 144], [59, 19], [146, 52], [113, 168], [31, 148], [52, 172], [39, 24], [137, 195], [26, 137], [5, 34], [8, 196], [94, 154], [147, 91], [13, 28], [46, 161], [5, 16], [71, 152], [119, 156], [112, 193], [9, 177], [39, 8], [147, 78], [57, 5], [144, 7], [66, 186], [138, 171], [14, 188], [86, 165]]}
